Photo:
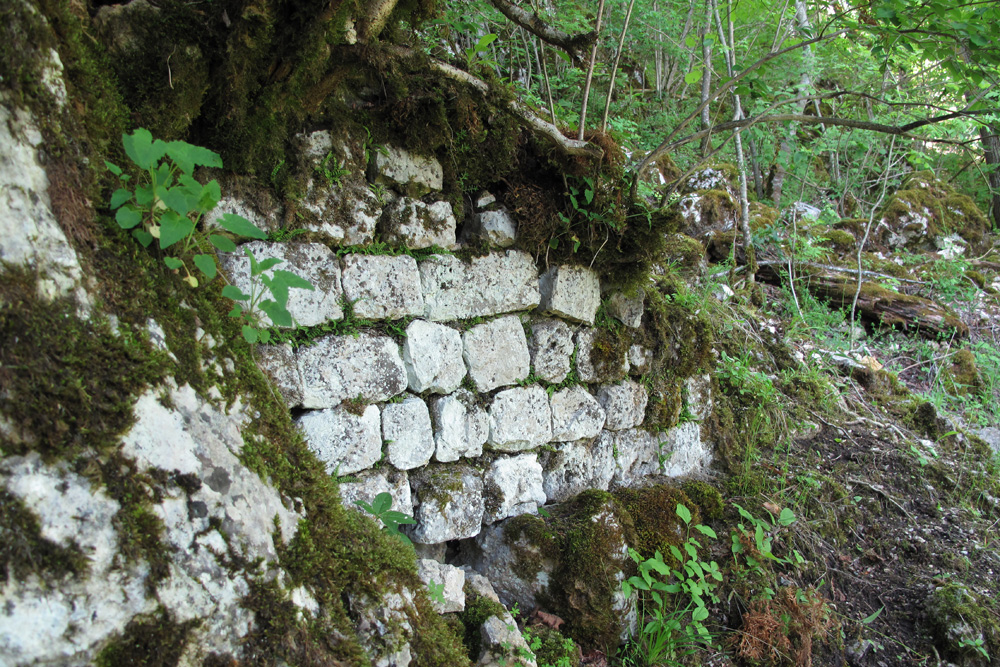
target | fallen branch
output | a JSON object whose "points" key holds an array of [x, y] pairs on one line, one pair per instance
{"points": [[573, 45]]}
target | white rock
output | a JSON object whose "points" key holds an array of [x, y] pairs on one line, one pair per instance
{"points": [[414, 175], [451, 578], [587, 369], [512, 486], [30, 235], [382, 286], [495, 557], [496, 228], [684, 450], [520, 419], [570, 292], [637, 455], [433, 356], [370, 483], [496, 353], [497, 283], [551, 348], [346, 215], [503, 645], [344, 441], [312, 261], [414, 224], [449, 503], [484, 199], [575, 467], [406, 428], [337, 368], [699, 396], [576, 415], [279, 362], [627, 309], [624, 403], [708, 178], [383, 626], [461, 426], [640, 359], [803, 211], [269, 221]]}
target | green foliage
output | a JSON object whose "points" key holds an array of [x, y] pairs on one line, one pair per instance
{"points": [[381, 508], [753, 539]]}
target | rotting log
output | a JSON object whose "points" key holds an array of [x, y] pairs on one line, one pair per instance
{"points": [[876, 304]]}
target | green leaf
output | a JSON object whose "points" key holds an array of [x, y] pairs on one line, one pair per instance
{"points": [[119, 197], [694, 76], [588, 194], [398, 518], [113, 168], [235, 293], [278, 313], [659, 566], [676, 552], [144, 195], [293, 280], [177, 199], [143, 237], [240, 226], [173, 228], [187, 156], [236, 311], [705, 530], [223, 243], [265, 264], [210, 195], [871, 618], [787, 517], [128, 217], [382, 502], [141, 148], [684, 513], [250, 334], [265, 335], [699, 614], [173, 263], [206, 263]]}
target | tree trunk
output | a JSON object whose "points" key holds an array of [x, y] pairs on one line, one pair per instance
{"points": [[990, 137], [706, 79], [804, 29]]}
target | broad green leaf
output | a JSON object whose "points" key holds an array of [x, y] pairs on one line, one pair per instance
{"points": [[676, 553], [235, 293], [588, 194], [659, 566], [265, 335], [142, 149], [119, 197], [293, 280], [787, 517], [206, 263], [144, 195], [705, 530], [128, 217], [485, 41], [210, 195], [699, 614], [871, 618], [399, 518], [177, 199], [278, 314], [173, 228], [113, 168], [268, 263], [639, 583], [689, 548], [223, 243], [382, 502], [250, 334], [236, 311], [187, 157], [694, 76], [278, 290], [173, 263], [240, 226], [691, 41], [143, 237], [684, 513]]}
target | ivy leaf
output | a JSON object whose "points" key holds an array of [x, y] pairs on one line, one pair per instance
{"points": [[128, 217], [240, 226], [223, 243], [119, 197], [141, 148], [173, 228], [250, 334], [205, 263], [187, 157]]}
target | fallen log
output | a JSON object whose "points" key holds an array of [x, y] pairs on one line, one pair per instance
{"points": [[876, 304]]}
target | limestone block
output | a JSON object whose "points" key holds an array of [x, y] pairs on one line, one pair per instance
{"points": [[449, 503], [684, 450], [406, 428], [382, 287], [624, 403], [344, 441], [312, 261], [577, 466], [414, 224], [512, 486], [576, 415], [501, 282], [336, 368], [699, 396], [346, 215], [637, 457], [627, 309], [496, 353], [413, 175], [383, 625], [461, 426], [484, 199], [590, 369], [551, 349], [433, 356], [520, 419], [570, 292], [269, 220], [496, 558], [496, 228], [640, 359], [450, 577], [370, 483], [279, 362]]}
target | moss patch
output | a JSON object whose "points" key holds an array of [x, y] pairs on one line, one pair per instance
{"points": [[157, 641], [24, 551], [478, 608], [706, 498], [654, 516]]}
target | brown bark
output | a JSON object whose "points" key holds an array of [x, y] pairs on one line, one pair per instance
{"points": [[574, 45], [990, 137]]}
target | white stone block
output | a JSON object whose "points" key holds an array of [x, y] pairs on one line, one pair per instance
{"points": [[448, 580], [496, 228], [461, 426], [592, 370], [576, 415], [637, 454], [684, 450], [699, 396], [496, 353], [640, 359], [512, 486], [336, 368], [520, 419], [627, 309], [414, 175], [570, 292], [344, 441], [433, 356], [551, 348], [414, 224], [449, 503], [382, 286], [370, 483], [406, 428], [312, 261], [279, 362], [575, 467], [501, 282], [624, 403]]}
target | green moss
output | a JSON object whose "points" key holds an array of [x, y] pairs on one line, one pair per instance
{"points": [[706, 497], [680, 331], [961, 377], [478, 608], [157, 641], [23, 549], [717, 209], [762, 216], [840, 240], [654, 516], [684, 251], [956, 613]]}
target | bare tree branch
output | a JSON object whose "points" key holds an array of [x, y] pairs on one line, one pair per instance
{"points": [[574, 45]]}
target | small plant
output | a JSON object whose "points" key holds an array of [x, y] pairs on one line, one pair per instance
{"points": [[436, 591], [474, 54], [754, 540], [977, 645], [332, 171], [381, 509], [254, 304]]}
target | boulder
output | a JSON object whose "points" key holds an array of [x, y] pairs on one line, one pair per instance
{"points": [[279, 362], [627, 309], [637, 454], [501, 282], [624, 403], [414, 224], [493, 228], [448, 503], [346, 442], [598, 357], [496, 353], [412, 175], [551, 347], [573, 467], [382, 287], [684, 450], [512, 485], [369, 483], [576, 415], [406, 428], [451, 581], [461, 426]]}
